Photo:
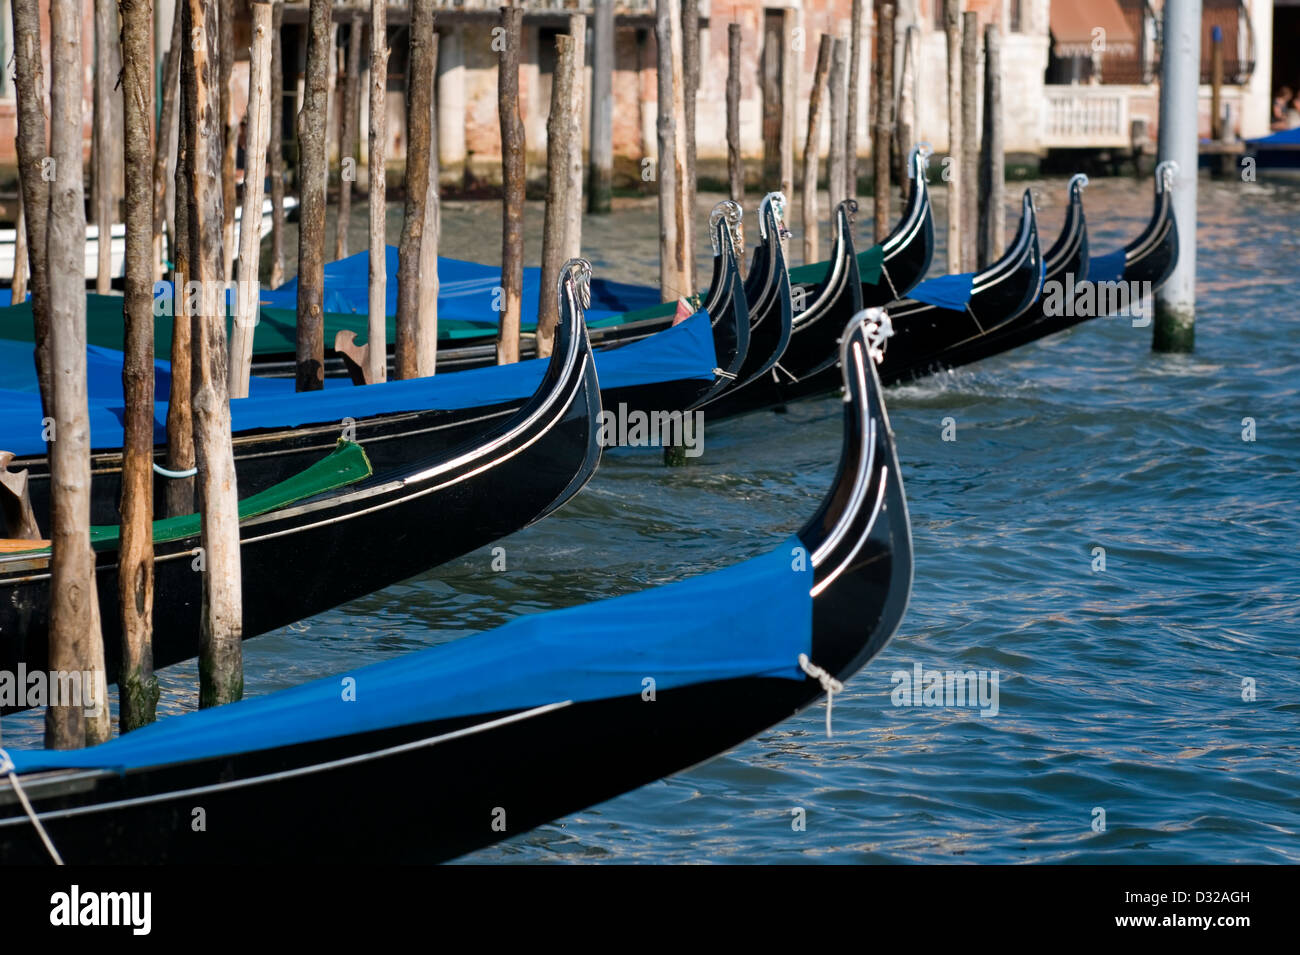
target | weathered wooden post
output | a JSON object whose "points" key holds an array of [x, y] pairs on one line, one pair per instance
{"points": [[347, 138], [856, 41], [811, 149], [312, 172], [419, 100], [952, 29], [968, 165], [137, 685], [790, 63], [426, 334], [180, 418], [513, 182], [221, 676], [573, 165], [377, 199], [275, 151], [559, 139], [907, 106], [771, 87], [993, 210], [735, 158], [165, 148], [672, 277], [881, 146], [225, 13], [600, 186], [104, 140], [690, 89], [259, 121], [837, 162], [29, 90], [1175, 318], [75, 642]]}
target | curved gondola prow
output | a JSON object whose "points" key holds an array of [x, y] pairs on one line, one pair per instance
{"points": [[726, 230], [842, 279], [859, 540], [1070, 250], [727, 306], [1152, 256], [761, 283], [918, 213]]}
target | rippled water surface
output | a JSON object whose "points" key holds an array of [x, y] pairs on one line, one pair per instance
{"points": [[1120, 689]]}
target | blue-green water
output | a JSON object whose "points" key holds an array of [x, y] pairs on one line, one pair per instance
{"points": [[1120, 690]]}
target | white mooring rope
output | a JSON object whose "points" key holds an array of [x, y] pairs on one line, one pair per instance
{"points": [[7, 768], [189, 473], [828, 682]]}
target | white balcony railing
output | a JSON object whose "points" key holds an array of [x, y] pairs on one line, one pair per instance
{"points": [[1085, 117]]}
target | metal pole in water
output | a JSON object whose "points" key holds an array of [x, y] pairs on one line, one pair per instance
{"points": [[1175, 311]]}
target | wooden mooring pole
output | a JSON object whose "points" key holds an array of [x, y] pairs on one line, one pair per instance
{"points": [[559, 138], [952, 30], [1175, 306], [968, 165], [137, 685], [165, 149], [573, 210], [600, 185], [419, 98], [376, 357], [907, 107], [812, 148], [347, 138], [993, 209], [672, 280], [221, 668], [76, 645], [837, 161], [104, 140], [312, 172], [30, 146], [275, 151], [735, 158], [856, 42], [180, 420], [881, 146], [513, 175], [250, 241]]}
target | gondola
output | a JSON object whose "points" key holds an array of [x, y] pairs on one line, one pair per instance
{"points": [[1071, 269], [459, 746], [280, 433], [887, 271], [363, 530], [1065, 265], [807, 360], [944, 313]]}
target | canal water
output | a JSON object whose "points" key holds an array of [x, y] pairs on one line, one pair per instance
{"points": [[1109, 532]]}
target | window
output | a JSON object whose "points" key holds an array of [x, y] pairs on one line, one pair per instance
{"points": [[1015, 23]]}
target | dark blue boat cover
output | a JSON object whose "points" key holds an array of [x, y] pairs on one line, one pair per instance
{"points": [[1106, 268], [946, 291], [748, 620], [466, 291], [684, 351]]}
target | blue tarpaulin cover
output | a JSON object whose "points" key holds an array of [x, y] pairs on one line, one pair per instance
{"points": [[684, 351], [1106, 268], [466, 291], [1285, 137], [946, 291], [750, 619]]}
